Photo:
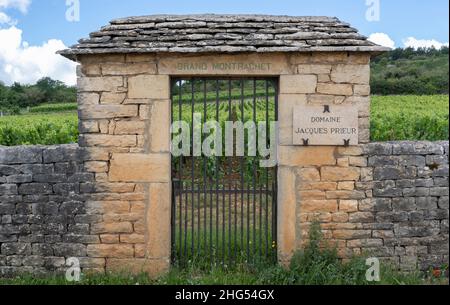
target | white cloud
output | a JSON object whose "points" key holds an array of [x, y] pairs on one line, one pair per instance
{"points": [[382, 39], [412, 42], [4, 18], [21, 5], [22, 63]]}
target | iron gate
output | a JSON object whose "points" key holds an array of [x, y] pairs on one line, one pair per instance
{"points": [[223, 208]]}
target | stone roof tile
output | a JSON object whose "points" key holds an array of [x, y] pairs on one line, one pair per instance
{"points": [[223, 33]]}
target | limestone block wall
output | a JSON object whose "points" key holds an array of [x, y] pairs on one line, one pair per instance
{"points": [[319, 79], [124, 110]]}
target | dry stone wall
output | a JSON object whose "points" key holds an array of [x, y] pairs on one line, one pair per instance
{"points": [[45, 216], [389, 200]]}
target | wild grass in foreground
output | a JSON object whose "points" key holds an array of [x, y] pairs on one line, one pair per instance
{"points": [[312, 266]]}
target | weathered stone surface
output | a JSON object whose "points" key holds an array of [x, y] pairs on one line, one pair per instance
{"points": [[287, 103], [298, 84], [158, 220], [149, 86], [378, 149], [392, 172], [85, 99], [345, 194], [112, 228], [313, 69], [159, 130], [129, 127], [235, 64], [107, 111], [140, 168], [306, 156], [100, 140], [109, 84], [20, 154], [110, 251], [110, 69], [308, 174], [88, 126], [287, 211], [348, 205], [109, 98], [353, 74], [329, 173], [318, 206], [363, 90], [226, 33], [334, 89]]}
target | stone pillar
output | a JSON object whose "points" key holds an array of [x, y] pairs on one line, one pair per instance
{"points": [[125, 111], [319, 183]]}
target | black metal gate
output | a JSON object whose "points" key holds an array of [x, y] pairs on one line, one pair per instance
{"points": [[223, 208]]}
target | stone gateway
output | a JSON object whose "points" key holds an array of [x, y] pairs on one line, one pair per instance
{"points": [[108, 200]]}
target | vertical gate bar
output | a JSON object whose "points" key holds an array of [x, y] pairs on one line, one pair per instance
{"points": [[275, 221], [254, 180], [230, 118], [248, 187], [205, 196], [275, 179], [260, 191], [217, 165], [210, 221], [173, 83], [193, 168], [267, 169], [260, 187], [242, 167], [182, 159], [223, 223], [210, 209], [235, 220], [229, 222], [199, 235], [186, 211], [180, 174]]}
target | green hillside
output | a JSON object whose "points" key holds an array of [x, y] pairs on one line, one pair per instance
{"points": [[409, 71]]}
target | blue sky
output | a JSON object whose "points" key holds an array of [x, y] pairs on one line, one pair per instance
{"points": [[43, 24]]}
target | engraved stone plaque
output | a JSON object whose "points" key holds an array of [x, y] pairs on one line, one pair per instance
{"points": [[325, 125]]}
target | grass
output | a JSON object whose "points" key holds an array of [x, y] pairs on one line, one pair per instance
{"points": [[314, 265]]}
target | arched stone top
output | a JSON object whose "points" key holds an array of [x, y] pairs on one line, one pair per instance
{"points": [[223, 34]]}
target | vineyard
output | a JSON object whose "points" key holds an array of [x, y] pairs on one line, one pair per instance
{"points": [[408, 117], [45, 129]]}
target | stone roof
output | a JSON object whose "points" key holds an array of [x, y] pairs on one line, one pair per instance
{"points": [[223, 33]]}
